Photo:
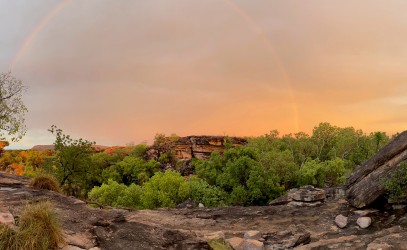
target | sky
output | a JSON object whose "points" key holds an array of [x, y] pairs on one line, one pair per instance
{"points": [[118, 72]]}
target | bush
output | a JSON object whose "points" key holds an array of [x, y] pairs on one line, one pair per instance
{"points": [[45, 181], [116, 195], [165, 190], [396, 186], [206, 194], [38, 230]]}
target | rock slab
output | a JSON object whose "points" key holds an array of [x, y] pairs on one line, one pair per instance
{"points": [[366, 184]]}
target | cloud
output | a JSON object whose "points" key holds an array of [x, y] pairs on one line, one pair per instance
{"points": [[115, 73]]}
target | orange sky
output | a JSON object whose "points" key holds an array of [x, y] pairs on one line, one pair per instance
{"points": [[121, 71]]}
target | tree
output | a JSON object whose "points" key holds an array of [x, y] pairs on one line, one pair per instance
{"points": [[12, 108], [73, 159]]}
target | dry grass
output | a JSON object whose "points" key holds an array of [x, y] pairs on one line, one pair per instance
{"points": [[219, 245], [7, 238], [38, 230], [45, 181]]}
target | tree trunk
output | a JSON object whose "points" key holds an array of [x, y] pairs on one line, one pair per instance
{"points": [[366, 184]]}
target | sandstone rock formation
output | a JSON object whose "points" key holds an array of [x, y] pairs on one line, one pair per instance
{"points": [[199, 147], [303, 196], [366, 184]]}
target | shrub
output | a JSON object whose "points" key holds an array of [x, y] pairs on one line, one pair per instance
{"points": [[165, 190], [116, 195], [202, 192], [38, 230], [396, 186], [219, 245], [45, 181]]}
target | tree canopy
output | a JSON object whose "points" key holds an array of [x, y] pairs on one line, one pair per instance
{"points": [[12, 108]]}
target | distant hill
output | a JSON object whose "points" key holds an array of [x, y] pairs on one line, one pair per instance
{"points": [[43, 147]]}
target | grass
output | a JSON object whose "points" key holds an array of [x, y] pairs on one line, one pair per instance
{"points": [[7, 238], [38, 230], [45, 181], [219, 245]]}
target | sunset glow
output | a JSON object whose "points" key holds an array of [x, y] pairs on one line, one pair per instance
{"points": [[120, 72]]}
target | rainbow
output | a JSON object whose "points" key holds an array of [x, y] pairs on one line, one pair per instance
{"points": [[34, 32], [236, 8]]}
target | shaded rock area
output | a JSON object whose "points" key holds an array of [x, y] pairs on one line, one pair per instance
{"points": [[265, 227], [366, 184]]}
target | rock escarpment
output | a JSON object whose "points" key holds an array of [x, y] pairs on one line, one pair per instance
{"points": [[199, 147], [366, 184]]}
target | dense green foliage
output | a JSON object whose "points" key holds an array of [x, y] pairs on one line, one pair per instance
{"points": [[251, 174], [73, 160], [396, 186]]}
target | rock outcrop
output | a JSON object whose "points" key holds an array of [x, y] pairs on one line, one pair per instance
{"points": [[199, 147], [366, 184], [303, 196]]}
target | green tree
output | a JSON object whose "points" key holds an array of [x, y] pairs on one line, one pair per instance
{"points": [[73, 160], [12, 108]]}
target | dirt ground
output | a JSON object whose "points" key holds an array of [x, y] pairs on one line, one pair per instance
{"points": [[86, 227]]}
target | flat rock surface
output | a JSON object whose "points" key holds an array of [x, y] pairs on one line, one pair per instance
{"points": [[280, 225]]}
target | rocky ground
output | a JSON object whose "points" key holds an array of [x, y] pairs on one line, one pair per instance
{"points": [[274, 227]]}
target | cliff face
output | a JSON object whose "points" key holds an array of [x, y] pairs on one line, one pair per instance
{"points": [[200, 147]]}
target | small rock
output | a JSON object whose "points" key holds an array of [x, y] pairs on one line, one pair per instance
{"points": [[399, 207], [236, 243], [366, 212], [6, 218], [255, 235], [341, 221], [70, 247], [200, 205], [364, 222], [95, 248], [403, 221], [250, 244]]}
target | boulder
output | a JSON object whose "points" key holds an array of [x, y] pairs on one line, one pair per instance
{"points": [[341, 221], [219, 235], [307, 194], [250, 244], [364, 222], [255, 235], [366, 184], [236, 243], [6, 217]]}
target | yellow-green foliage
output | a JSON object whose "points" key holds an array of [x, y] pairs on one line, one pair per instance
{"points": [[38, 230], [219, 245], [45, 181]]}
